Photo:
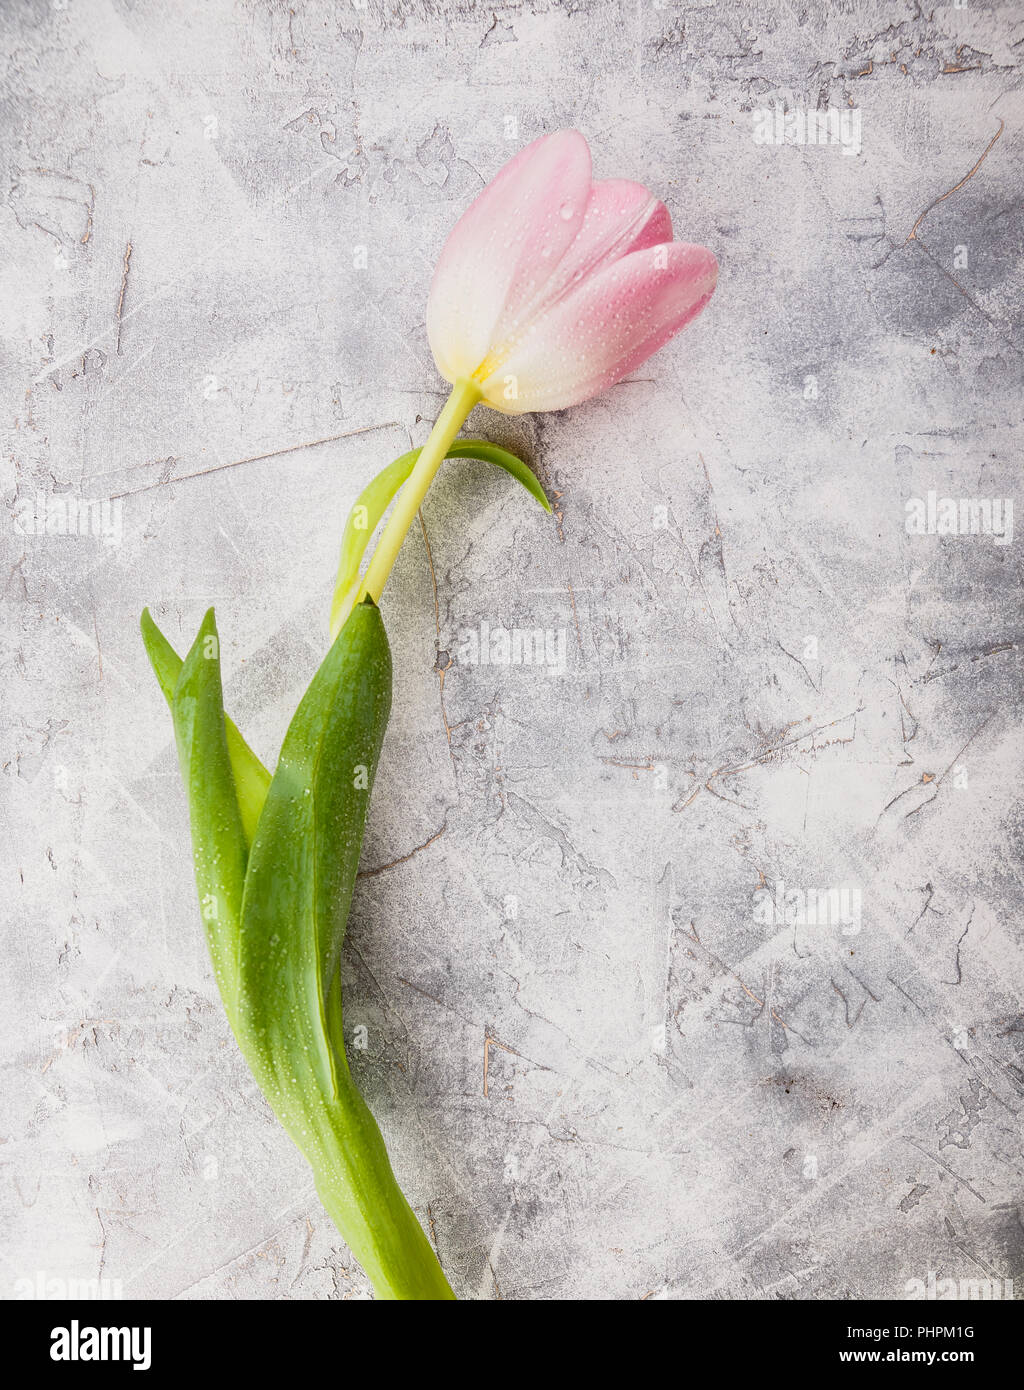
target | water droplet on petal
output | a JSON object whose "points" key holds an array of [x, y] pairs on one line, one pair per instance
{"points": [[565, 212]]}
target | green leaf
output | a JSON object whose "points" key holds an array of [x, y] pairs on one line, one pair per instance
{"points": [[218, 840], [493, 453], [303, 862], [376, 497], [302, 870], [251, 778]]}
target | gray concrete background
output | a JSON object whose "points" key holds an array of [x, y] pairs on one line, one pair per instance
{"points": [[600, 1075]]}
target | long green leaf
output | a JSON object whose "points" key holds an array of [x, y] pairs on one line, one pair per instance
{"points": [[251, 778], [302, 870], [218, 840], [304, 859]]}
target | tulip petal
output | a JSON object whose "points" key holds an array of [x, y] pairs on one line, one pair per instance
{"points": [[608, 325], [505, 247], [620, 217]]}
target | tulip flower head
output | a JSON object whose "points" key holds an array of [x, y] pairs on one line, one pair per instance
{"points": [[552, 287]]}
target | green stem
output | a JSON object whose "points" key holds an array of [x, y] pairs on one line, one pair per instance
{"points": [[465, 395]]}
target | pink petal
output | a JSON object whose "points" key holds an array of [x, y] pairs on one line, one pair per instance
{"points": [[605, 328], [620, 217], [504, 248]]}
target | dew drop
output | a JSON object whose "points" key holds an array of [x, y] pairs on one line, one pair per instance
{"points": [[565, 212]]}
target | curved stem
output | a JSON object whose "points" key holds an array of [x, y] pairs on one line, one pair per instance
{"points": [[464, 396]]}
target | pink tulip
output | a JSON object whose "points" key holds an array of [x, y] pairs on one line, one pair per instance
{"points": [[552, 287]]}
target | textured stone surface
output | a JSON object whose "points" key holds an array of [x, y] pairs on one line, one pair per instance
{"points": [[600, 1073]]}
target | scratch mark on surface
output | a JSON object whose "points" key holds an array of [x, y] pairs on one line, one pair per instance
{"points": [[957, 186], [257, 458], [120, 297], [417, 849], [99, 649], [959, 970], [921, 1149], [491, 1041]]}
